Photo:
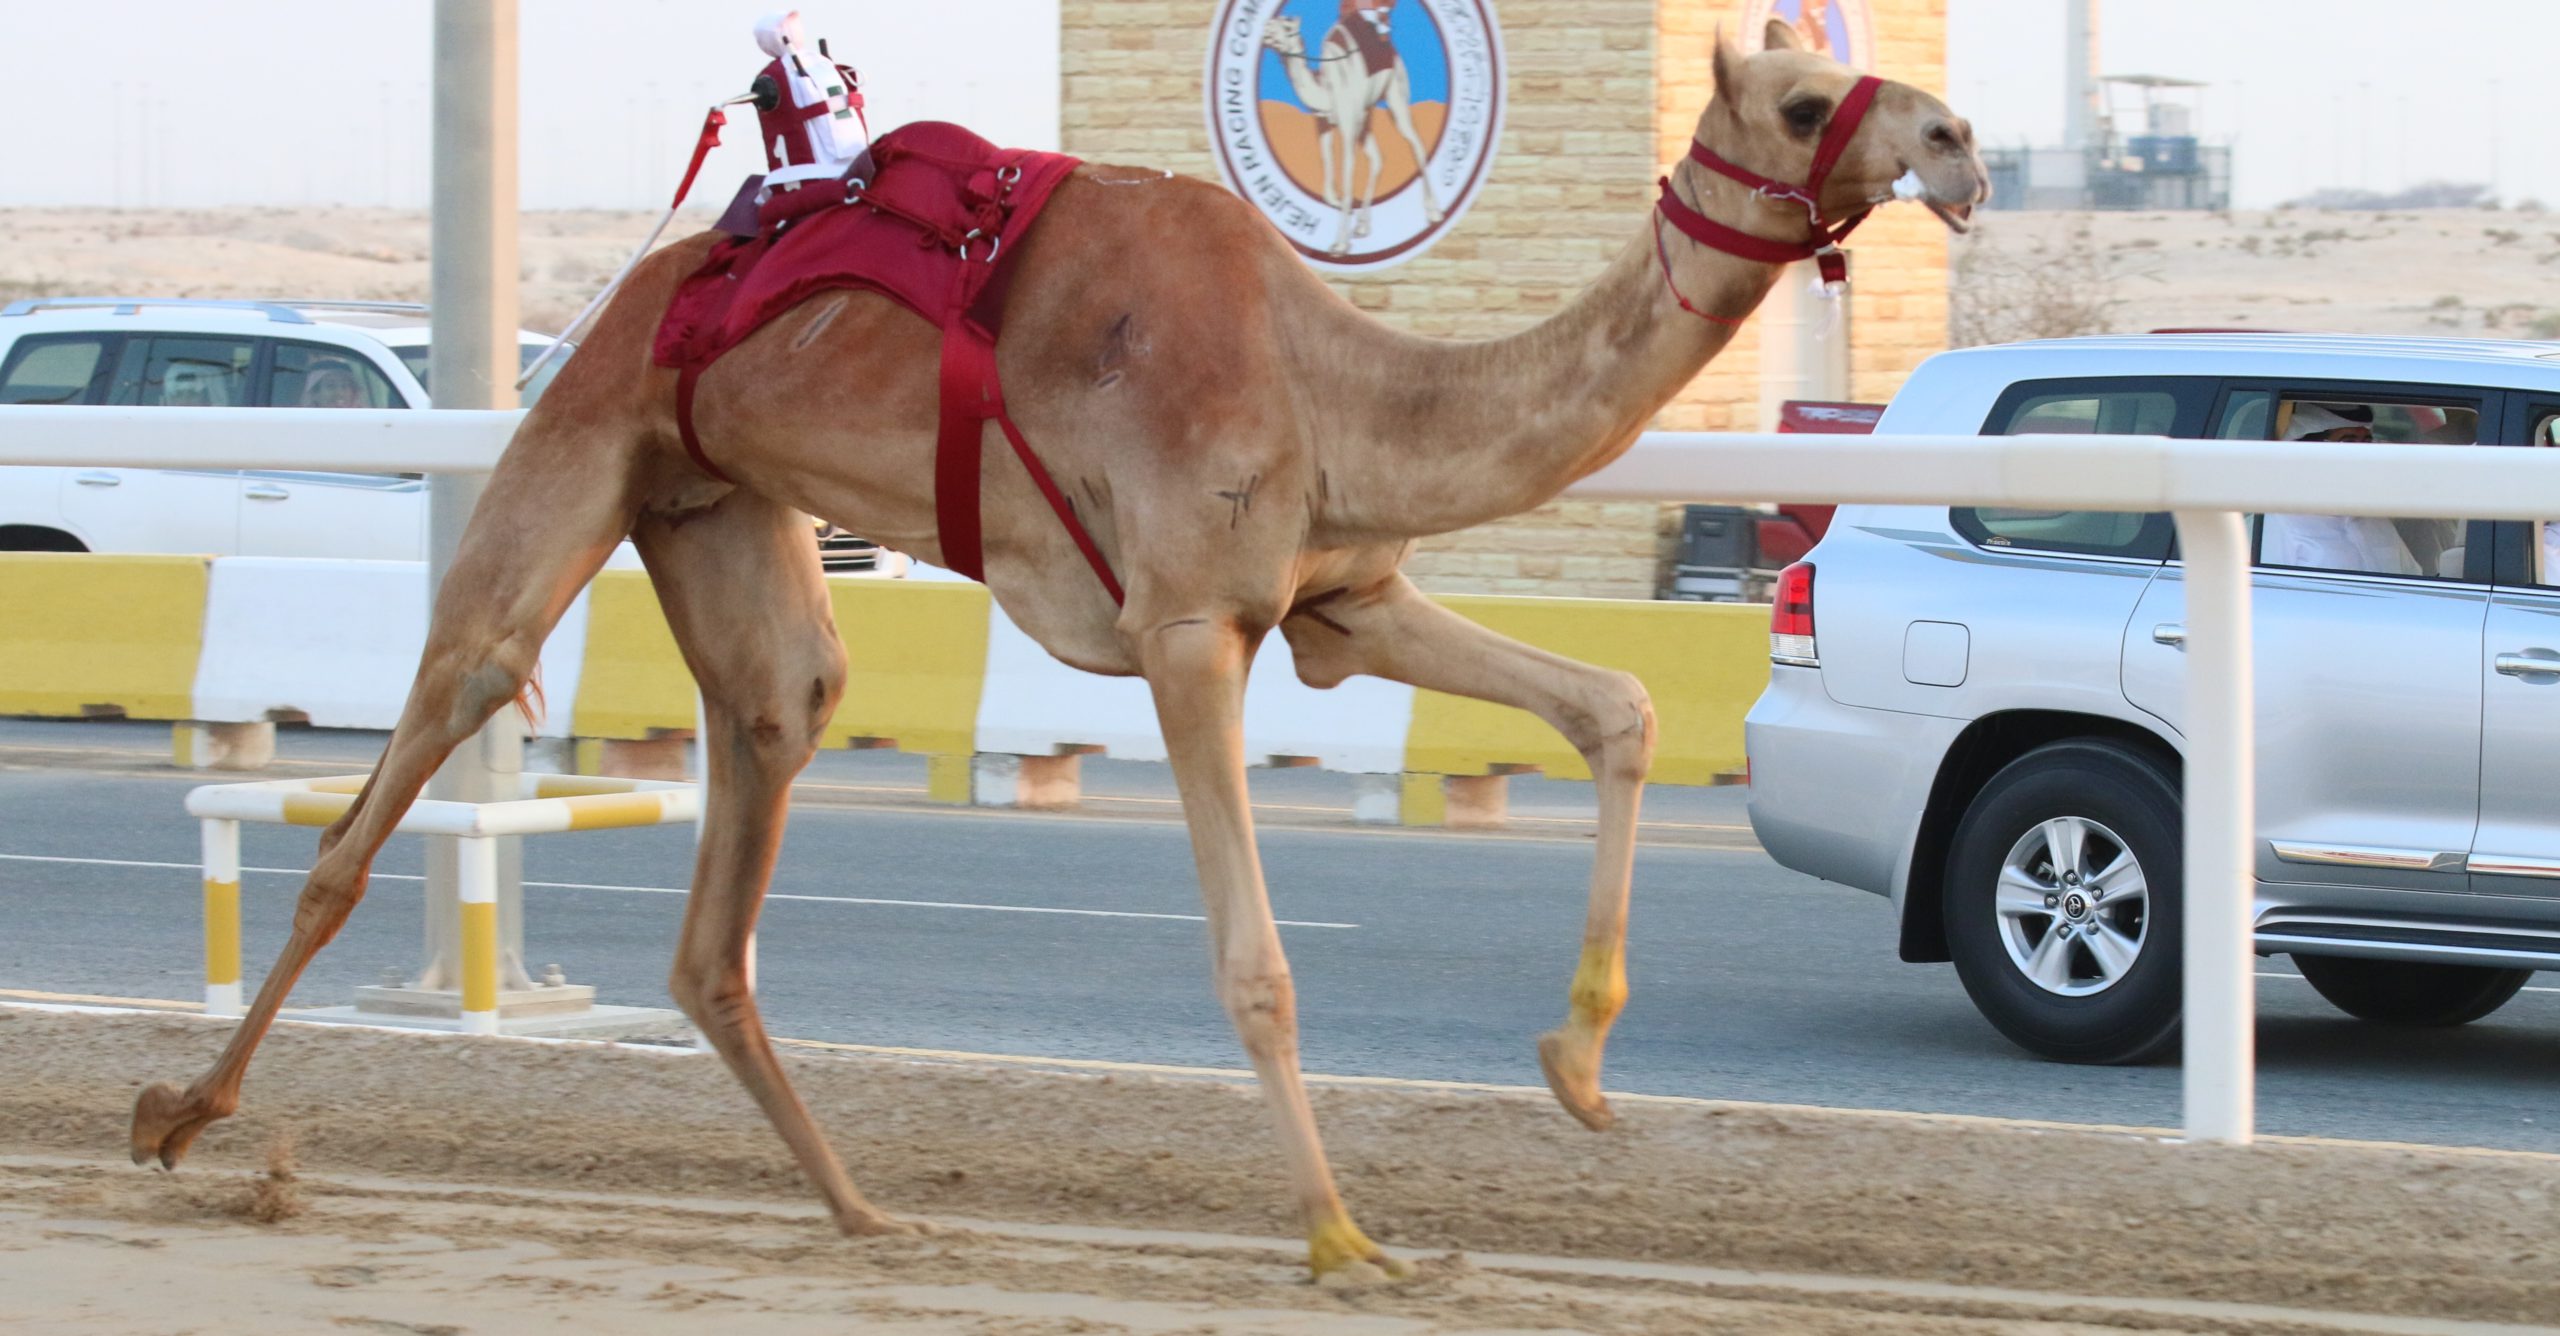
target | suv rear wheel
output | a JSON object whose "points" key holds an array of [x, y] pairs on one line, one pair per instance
{"points": [[2409, 992], [2062, 903]]}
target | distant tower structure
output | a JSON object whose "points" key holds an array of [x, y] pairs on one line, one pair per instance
{"points": [[2081, 69]]}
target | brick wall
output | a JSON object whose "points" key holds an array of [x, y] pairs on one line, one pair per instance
{"points": [[1602, 93]]}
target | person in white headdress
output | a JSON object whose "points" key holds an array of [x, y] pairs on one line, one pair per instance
{"points": [[2361, 543]]}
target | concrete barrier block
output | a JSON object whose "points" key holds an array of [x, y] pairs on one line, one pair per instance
{"points": [[1039, 783], [97, 635], [668, 756], [197, 745], [1475, 802]]}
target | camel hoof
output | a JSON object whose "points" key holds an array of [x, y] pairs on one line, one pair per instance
{"points": [[882, 1225], [165, 1123], [1366, 1273], [1573, 1073]]}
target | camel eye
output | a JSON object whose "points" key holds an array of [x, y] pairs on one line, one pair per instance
{"points": [[1806, 115]]}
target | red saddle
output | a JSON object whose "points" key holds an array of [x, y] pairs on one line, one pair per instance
{"points": [[934, 222]]}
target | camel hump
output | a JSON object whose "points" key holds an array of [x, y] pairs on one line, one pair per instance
{"points": [[939, 139]]}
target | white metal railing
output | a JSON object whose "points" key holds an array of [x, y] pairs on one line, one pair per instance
{"points": [[2208, 485]]}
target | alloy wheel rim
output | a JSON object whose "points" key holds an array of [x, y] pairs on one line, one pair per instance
{"points": [[2072, 907]]}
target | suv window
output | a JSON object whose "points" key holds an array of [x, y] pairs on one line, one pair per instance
{"points": [[54, 369], [311, 375], [184, 371], [2112, 407], [2411, 547]]}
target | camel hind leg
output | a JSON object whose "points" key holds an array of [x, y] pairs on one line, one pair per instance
{"points": [[1394, 632], [742, 589], [542, 529]]}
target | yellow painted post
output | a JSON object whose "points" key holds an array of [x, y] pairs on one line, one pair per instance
{"points": [[222, 918], [479, 887]]}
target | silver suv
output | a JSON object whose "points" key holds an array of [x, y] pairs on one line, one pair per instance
{"points": [[1976, 712]]}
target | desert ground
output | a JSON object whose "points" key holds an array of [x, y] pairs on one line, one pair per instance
{"points": [[405, 1184], [2451, 271]]}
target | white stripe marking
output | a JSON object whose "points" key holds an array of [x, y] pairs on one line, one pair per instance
{"points": [[2272, 974], [678, 890]]}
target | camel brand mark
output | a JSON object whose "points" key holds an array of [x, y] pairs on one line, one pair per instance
{"points": [[1844, 30], [1362, 129]]}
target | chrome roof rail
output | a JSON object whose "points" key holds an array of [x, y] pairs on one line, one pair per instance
{"points": [[278, 312]]}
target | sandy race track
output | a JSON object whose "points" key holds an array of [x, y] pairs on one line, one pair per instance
{"points": [[481, 1186]]}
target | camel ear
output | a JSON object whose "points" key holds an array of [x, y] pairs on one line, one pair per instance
{"points": [[1784, 37], [1728, 67]]}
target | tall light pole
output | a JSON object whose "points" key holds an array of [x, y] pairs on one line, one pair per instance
{"points": [[472, 363]]}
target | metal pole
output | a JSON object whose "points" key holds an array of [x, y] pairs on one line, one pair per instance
{"points": [[2221, 824], [472, 364]]}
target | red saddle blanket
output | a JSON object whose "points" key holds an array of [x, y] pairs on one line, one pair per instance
{"points": [[934, 223]]}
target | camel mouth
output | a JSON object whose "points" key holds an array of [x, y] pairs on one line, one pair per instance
{"points": [[1957, 217]]}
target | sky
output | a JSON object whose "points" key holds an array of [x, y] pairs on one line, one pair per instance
{"points": [[2312, 93], [300, 102]]}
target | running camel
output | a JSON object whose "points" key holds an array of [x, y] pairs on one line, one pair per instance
{"points": [[1249, 453]]}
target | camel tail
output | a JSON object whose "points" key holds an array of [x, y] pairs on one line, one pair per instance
{"points": [[530, 701]]}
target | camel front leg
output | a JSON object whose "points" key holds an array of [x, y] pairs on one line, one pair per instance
{"points": [[1350, 202], [541, 531], [1394, 632], [1400, 109], [1369, 195], [744, 594], [1197, 670]]}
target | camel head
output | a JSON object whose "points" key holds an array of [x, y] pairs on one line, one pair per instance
{"points": [[1771, 110], [1285, 36]]}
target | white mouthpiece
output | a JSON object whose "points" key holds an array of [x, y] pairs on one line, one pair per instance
{"points": [[1910, 187]]}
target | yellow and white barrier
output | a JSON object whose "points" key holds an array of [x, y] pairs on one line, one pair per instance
{"points": [[935, 669], [547, 804]]}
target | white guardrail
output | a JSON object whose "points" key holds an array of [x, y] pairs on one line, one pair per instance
{"points": [[2208, 485]]}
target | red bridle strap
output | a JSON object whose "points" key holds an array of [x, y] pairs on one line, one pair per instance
{"points": [[1823, 246]]}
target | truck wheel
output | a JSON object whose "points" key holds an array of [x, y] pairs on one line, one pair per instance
{"points": [[2062, 903], [2409, 992]]}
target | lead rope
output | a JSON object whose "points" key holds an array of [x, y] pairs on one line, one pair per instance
{"points": [[708, 140]]}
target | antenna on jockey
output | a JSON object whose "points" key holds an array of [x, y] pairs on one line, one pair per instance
{"points": [[809, 111]]}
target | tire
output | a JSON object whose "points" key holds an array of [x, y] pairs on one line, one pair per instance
{"points": [[29, 538], [2071, 996], [2409, 992]]}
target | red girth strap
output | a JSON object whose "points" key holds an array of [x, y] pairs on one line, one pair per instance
{"points": [[973, 396], [1824, 244]]}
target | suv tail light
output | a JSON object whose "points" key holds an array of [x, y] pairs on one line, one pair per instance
{"points": [[1791, 619]]}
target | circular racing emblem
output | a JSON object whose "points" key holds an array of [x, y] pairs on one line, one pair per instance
{"points": [[1843, 30], [1361, 128]]}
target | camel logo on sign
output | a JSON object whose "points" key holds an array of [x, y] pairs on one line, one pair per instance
{"points": [[1361, 128], [1843, 30]]}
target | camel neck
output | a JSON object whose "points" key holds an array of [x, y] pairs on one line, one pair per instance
{"points": [[1460, 434]]}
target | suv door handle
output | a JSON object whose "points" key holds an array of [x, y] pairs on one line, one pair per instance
{"points": [[97, 479], [2170, 634], [266, 491], [2530, 663]]}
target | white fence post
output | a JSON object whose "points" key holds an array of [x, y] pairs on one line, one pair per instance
{"points": [[2221, 818], [222, 918], [478, 934]]}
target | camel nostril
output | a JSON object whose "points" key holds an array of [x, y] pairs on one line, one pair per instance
{"points": [[1943, 137]]}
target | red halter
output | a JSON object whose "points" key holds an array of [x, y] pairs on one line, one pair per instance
{"points": [[1827, 236]]}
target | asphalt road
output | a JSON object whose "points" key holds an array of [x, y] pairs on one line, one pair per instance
{"points": [[1416, 954]]}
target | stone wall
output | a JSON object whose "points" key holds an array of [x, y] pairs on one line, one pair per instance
{"points": [[1602, 93]]}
